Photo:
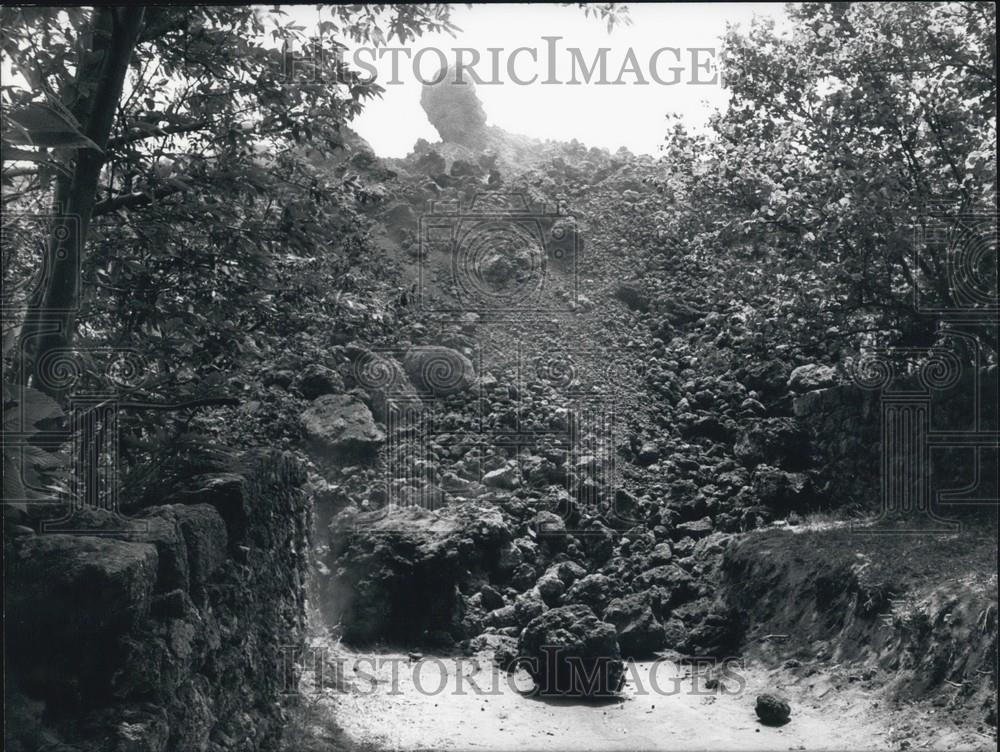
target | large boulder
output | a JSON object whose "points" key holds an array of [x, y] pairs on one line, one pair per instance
{"points": [[340, 427], [528, 605], [678, 584], [70, 600], [696, 529], [598, 540], [506, 477], [396, 574], [768, 377], [440, 371], [569, 651], [594, 590], [550, 529], [509, 265], [809, 378], [640, 633], [772, 709], [454, 109]]}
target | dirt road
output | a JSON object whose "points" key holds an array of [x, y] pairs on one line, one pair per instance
{"points": [[395, 701]]}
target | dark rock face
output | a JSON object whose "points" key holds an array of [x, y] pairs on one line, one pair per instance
{"points": [[632, 295], [317, 380], [396, 575], [769, 377], [455, 111], [696, 529], [772, 710], [569, 651], [340, 427], [640, 633], [168, 631], [203, 544], [774, 441], [71, 598], [593, 590], [400, 219], [781, 490], [844, 424], [440, 371]]}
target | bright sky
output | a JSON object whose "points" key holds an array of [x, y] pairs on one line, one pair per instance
{"points": [[598, 115]]}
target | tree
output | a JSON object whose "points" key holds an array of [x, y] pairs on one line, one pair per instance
{"points": [[128, 107], [865, 127], [191, 161]]}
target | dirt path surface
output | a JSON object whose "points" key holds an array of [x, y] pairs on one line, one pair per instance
{"points": [[427, 706]]}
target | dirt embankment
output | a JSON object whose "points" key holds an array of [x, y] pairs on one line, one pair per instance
{"points": [[912, 616]]}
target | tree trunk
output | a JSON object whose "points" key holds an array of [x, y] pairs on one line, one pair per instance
{"points": [[51, 318]]}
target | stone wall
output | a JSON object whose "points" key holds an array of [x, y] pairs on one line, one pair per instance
{"points": [[843, 423], [170, 635], [936, 431]]}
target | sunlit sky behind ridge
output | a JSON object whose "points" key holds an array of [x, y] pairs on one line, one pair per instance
{"points": [[609, 116]]}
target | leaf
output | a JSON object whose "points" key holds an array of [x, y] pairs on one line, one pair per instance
{"points": [[12, 154], [12, 486], [38, 457], [43, 125], [178, 184], [33, 406]]}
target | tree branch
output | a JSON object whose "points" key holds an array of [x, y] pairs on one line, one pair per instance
{"points": [[134, 200], [170, 130]]}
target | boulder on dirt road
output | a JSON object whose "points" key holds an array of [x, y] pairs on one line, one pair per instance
{"points": [[501, 648], [569, 652], [772, 710]]}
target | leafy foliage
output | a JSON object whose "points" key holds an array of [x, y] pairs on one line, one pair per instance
{"points": [[864, 127], [220, 203], [215, 206]]}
